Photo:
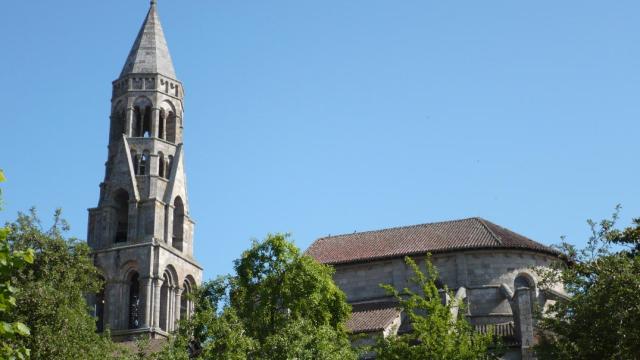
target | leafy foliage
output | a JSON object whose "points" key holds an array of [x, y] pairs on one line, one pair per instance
{"points": [[11, 331], [213, 331], [436, 333], [51, 292], [600, 319], [280, 304], [276, 284]]}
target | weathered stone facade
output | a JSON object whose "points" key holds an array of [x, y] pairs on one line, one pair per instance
{"points": [[486, 266], [141, 231]]}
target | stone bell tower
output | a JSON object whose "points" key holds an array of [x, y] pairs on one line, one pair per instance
{"points": [[141, 232]]}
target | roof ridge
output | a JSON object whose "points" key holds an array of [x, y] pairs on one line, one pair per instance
{"points": [[400, 227], [486, 226], [444, 236]]}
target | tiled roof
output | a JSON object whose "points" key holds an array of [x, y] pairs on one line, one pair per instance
{"points": [[378, 316], [371, 317], [465, 234], [154, 346], [502, 330], [505, 331]]}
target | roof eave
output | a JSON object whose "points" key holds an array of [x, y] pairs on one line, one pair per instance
{"points": [[424, 253]]}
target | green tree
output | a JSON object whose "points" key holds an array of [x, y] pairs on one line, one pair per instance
{"points": [[436, 332], [213, 331], [601, 318], [11, 262], [280, 304], [51, 297]]}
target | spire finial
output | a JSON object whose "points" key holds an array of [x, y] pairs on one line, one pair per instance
{"points": [[154, 2]]}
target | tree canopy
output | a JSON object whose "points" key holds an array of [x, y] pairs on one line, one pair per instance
{"points": [[600, 319], [12, 332], [280, 304], [51, 292]]}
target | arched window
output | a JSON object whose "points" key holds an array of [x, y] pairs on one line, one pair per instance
{"points": [[185, 302], [161, 165], [178, 223], [137, 120], [121, 203], [146, 123], [144, 164], [161, 124], [134, 301], [142, 111], [524, 280], [164, 302], [169, 167]]}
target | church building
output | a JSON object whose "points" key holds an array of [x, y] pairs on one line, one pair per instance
{"points": [[487, 267], [141, 232]]}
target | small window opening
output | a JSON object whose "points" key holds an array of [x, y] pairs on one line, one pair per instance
{"points": [[144, 164], [134, 302], [146, 124], [172, 127], [161, 165], [184, 301], [178, 223], [164, 301], [121, 200], [161, 124], [169, 167], [137, 121], [523, 281]]}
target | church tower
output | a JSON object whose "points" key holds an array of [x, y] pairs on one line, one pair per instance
{"points": [[141, 232]]}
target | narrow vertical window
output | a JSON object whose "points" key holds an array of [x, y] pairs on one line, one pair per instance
{"points": [[123, 120], [178, 223], [146, 123], [144, 164], [172, 127], [161, 165], [134, 302], [164, 303], [169, 167], [121, 204], [184, 301], [137, 121]]}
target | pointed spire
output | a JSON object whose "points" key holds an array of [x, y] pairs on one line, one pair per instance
{"points": [[150, 53]]}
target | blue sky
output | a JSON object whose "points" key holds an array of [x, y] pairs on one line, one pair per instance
{"points": [[326, 117]]}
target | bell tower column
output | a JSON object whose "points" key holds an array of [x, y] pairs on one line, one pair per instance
{"points": [[141, 200]]}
